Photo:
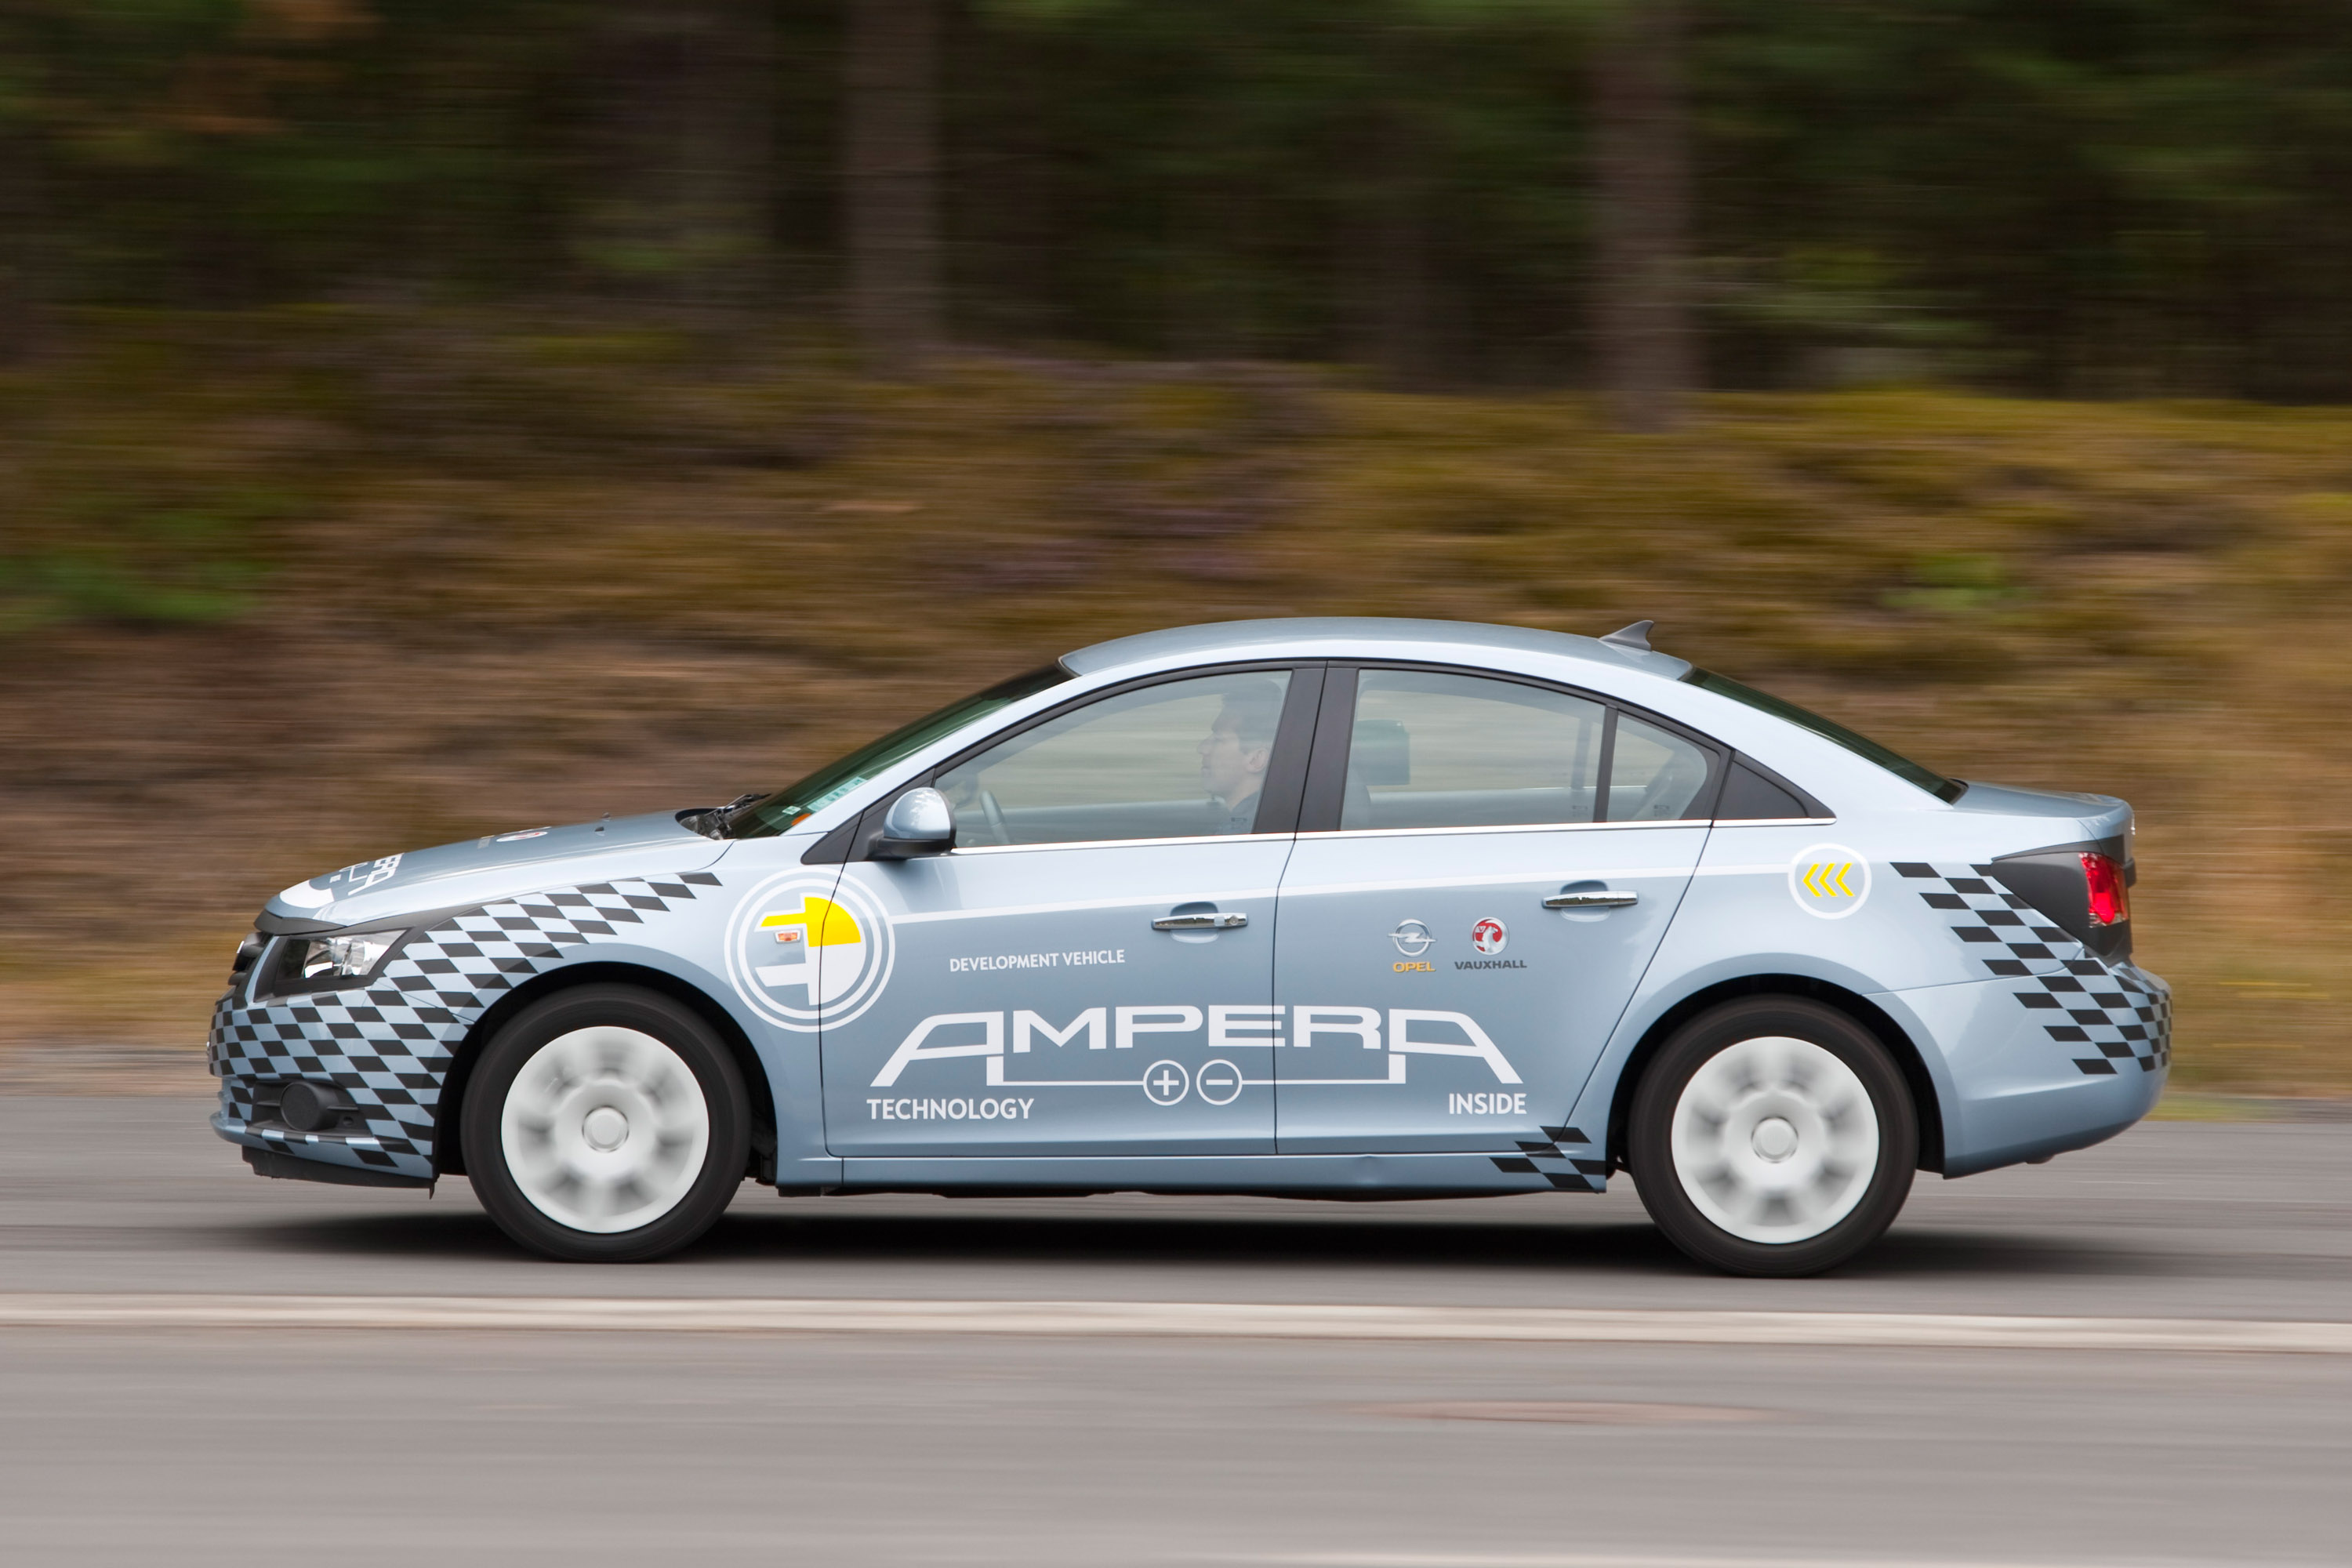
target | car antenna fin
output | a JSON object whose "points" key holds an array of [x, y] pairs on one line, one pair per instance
{"points": [[1636, 636]]}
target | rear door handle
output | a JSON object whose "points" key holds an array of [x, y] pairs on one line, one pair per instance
{"points": [[1200, 923], [1592, 901]]}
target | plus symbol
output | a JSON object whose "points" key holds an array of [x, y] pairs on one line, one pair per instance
{"points": [[1166, 1082]]}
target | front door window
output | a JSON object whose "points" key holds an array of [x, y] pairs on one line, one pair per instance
{"points": [[1091, 971], [1187, 759]]}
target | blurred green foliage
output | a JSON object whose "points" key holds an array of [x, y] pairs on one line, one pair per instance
{"points": [[1956, 583], [110, 554], [178, 568], [2096, 197]]}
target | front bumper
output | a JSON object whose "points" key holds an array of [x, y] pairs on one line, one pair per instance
{"points": [[389, 1046], [386, 1054]]}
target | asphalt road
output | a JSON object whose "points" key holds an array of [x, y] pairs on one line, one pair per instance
{"points": [[205, 1445]]}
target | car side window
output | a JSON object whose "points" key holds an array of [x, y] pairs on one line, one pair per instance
{"points": [[1432, 749], [1653, 777], [1184, 759]]}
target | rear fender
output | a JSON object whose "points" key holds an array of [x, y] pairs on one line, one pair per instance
{"points": [[1608, 1098]]}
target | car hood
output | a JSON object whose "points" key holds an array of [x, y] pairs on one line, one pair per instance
{"points": [[497, 866]]}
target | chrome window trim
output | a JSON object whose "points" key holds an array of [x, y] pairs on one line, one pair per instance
{"points": [[1399, 832], [1127, 843], [1506, 827], [1572, 827]]}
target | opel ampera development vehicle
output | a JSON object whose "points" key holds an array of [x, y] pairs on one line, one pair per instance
{"points": [[1336, 908]]}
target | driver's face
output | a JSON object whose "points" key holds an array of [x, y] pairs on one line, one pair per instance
{"points": [[1228, 769]]}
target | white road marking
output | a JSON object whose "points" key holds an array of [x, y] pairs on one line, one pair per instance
{"points": [[1391, 1559], [1193, 1319]]}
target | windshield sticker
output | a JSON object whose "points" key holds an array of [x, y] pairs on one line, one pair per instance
{"points": [[835, 793]]}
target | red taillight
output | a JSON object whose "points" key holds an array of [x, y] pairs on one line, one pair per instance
{"points": [[2109, 907]]}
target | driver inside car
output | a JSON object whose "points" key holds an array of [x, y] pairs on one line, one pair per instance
{"points": [[1235, 753]]}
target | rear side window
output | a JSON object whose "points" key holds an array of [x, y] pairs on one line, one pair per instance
{"points": [[1652, 776], [1432, 749], [1895, 762], [1749, 796]]}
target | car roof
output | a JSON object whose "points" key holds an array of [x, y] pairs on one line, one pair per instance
{"points": [[1361, 636]]}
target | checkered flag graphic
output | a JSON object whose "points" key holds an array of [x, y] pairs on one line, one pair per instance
{"points": [[2121, 1013], [388, 1045]]}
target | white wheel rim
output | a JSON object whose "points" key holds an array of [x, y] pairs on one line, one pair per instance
{"points": [[605, 1129], [1775, 1140]]}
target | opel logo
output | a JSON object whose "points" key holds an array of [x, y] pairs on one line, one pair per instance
{"points": [[1412, 939]]}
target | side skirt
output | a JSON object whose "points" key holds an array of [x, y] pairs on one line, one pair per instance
{"points": [[1361, 1176]]}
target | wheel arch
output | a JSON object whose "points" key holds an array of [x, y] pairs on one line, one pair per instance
{"points": [[1925, 1102], [448, 1158]]}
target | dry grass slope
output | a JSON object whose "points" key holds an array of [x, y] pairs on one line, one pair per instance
{"points": [[277, 594]]}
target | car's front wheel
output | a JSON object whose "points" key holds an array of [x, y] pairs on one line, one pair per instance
{"points": [[1772, 1136], [605, 1124]]}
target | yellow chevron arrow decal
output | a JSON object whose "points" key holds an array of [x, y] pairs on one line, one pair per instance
{"points": [[1827, 880]]}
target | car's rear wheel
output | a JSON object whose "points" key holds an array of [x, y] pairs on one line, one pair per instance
{"points": [[605, 1124], [1773, 1136]]}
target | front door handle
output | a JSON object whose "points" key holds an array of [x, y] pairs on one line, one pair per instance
{"points": [[1200, 923], [1596, 899]]}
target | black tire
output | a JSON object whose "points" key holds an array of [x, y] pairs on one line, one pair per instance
{"points": [[693, 1042], [1675, 1203]]}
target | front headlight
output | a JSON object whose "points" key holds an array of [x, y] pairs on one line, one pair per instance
{"points": [[324, 962], [343, 957]]}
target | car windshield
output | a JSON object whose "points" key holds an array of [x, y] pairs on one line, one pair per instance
{"points": [[1895, 762], [774, 814]]}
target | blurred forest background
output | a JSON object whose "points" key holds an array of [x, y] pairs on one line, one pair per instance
{"points": [[429, 418]]}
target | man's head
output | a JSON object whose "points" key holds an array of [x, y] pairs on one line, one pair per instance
{"points": [[1234, 753]]}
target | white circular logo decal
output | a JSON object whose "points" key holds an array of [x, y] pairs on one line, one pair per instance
{"points": [[1166, 1082], [1219, 1081], [1489, 937], [804, 945], [1829, 882]]}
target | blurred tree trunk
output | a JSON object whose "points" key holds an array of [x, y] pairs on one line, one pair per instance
{"points": [[19, 319], [890, 161], [727, 145], [1642, 325], [1399, 336], [681, 215]]}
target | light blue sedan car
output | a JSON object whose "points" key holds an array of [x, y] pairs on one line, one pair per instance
{"points": [[1315, 908]]}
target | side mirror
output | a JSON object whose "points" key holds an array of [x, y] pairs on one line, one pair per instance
{"points": [[919, 824]]}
